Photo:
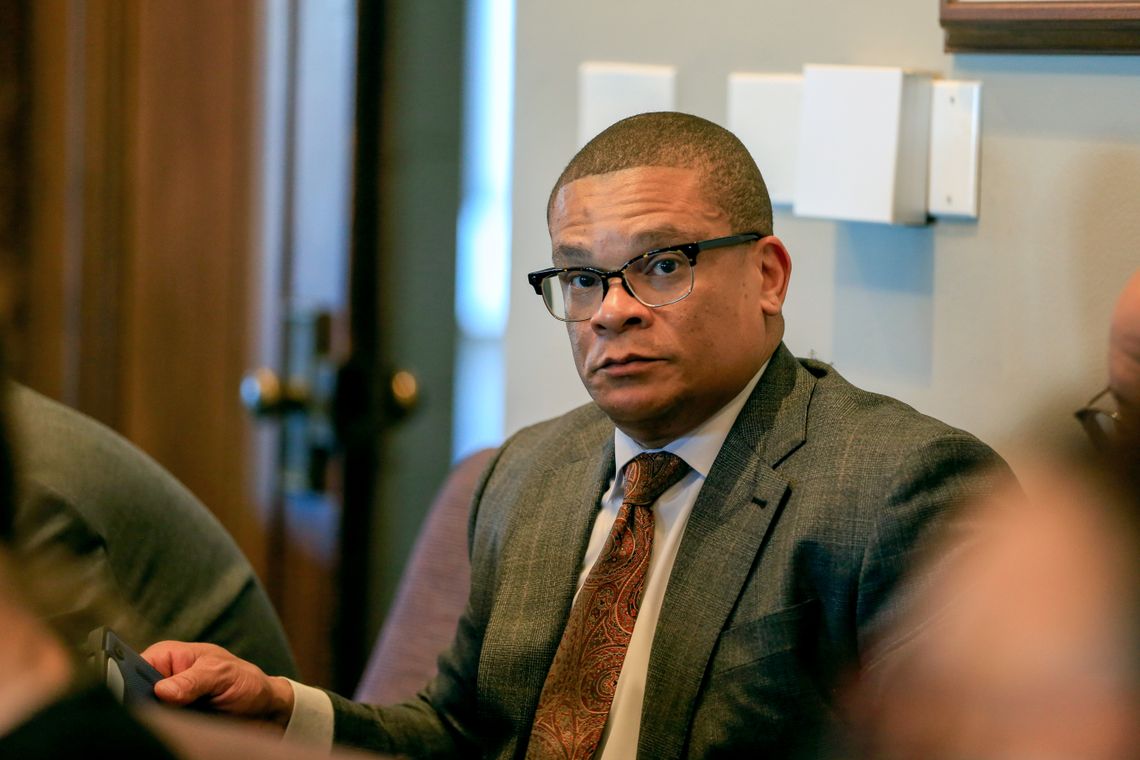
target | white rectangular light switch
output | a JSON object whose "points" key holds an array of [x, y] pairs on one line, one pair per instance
{"points": [[764, 112], [954, 148], [608, 92]]}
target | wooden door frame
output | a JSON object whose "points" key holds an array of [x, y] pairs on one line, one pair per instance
{"points": [[403, 284]]}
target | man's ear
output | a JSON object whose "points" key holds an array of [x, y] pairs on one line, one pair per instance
{"points": [[776, 270]]}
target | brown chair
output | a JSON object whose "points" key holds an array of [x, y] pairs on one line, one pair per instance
{"points": [[431, 594]]}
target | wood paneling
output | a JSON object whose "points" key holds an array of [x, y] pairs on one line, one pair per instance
{"points": [[48, 292], [141, 199], [191, 227], [12, 88]]}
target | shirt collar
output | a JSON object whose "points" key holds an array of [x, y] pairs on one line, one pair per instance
{"points": [[700, 446]]}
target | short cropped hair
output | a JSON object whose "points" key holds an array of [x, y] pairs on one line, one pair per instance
{"points": [[730, 177]]}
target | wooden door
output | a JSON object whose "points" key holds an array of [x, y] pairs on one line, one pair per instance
{"points": [[199, 175], [410, 96], [393, 340], [368, 221], [13, 96]]}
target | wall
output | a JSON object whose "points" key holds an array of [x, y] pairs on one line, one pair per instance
{"points": [[998, 326]]}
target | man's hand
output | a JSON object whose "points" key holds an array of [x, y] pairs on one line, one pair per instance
{"points": [[211, 676]]}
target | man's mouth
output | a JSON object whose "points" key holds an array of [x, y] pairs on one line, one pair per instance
{"points": [[625, 365]]}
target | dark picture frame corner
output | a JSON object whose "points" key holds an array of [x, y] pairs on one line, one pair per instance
{"points": [[1041, 26]]}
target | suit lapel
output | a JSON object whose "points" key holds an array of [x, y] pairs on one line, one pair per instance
{"points": [[730, 519], [568, 512], [546, 552]]}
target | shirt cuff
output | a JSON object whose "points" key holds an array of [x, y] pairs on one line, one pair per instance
{"points": [[312, 720]]}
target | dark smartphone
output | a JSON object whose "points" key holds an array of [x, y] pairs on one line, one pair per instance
{"points": [[129, 677]]}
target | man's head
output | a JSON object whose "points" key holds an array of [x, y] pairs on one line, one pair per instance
{"points": [[1124, 351], [729, 175], [653, 181]]}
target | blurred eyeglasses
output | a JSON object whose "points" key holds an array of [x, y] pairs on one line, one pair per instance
{"points": [[1100, 419]]}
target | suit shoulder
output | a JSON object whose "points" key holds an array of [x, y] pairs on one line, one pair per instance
{"points": [[54, 441], [839, 406], [64, 457]]}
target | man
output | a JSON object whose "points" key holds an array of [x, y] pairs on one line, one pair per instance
{"points": [[142, 554], [775, 555]]}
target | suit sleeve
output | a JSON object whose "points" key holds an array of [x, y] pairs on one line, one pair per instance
{"points": [[439, 722]]}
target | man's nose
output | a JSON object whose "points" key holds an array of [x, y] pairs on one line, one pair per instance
{"points": [[618, 308]]}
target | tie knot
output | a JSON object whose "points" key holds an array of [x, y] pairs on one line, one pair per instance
{"points": [[649, 475]]}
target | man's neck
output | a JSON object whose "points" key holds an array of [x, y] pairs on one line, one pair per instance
{"points": [[700, 445]]}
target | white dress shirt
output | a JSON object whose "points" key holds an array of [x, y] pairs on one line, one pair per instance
{"points": [[313, 712]]}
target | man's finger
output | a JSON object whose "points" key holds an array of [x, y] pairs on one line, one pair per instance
{"points": [[172, 690], [190, 685], [170, 657]]}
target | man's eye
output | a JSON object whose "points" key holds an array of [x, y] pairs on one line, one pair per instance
{"points": [[580, 280], [664, 265]]}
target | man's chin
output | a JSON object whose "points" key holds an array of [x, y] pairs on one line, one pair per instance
{"points": [[629, 404], [646, 421]]}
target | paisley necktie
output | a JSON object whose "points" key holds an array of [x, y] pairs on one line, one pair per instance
{"points": [[579, 688]]}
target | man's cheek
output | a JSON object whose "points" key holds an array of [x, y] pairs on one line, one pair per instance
{"points": [[580, 348]]}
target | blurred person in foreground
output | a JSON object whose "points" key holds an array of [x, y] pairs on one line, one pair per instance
{"points": [[144, 556], [51, 706], [1115, 411], [1034, 650], [1034, 646], [1124, 355]]}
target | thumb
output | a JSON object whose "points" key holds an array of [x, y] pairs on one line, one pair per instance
{"points": [[181, 689]]}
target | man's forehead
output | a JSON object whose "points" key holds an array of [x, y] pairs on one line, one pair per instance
{"points": [[662, 234], [580, 248], [620, 179], [652, 202]]}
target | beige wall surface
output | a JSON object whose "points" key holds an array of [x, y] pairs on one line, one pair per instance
{"points": [[996, 325]]}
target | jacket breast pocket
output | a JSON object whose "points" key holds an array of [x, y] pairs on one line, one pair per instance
{"points": [[759, 697], [780, 632]]}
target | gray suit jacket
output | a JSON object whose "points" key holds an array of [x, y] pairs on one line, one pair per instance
{"points": [[785, 577]]}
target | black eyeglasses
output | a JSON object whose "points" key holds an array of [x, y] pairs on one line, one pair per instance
{"points": [[1100, 424], [655, 278]]}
